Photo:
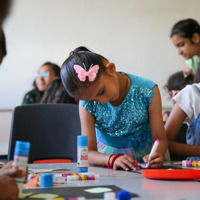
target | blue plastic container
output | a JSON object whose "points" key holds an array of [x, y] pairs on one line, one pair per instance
{"points": [[46, 180]]}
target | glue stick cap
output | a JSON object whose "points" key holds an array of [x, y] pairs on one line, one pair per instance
{"points": [[22, 148], [109, 196], [46, 180], [82, 140], [123, 195]]}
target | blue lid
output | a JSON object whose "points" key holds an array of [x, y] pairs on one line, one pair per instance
{"points": [[46, 180], [123, 195], [82, 140], [22, 148]]}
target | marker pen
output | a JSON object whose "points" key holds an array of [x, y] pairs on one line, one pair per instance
{"points": [[73, 174], [188, 163], [154, 148], [69, 198], [82, 177]]}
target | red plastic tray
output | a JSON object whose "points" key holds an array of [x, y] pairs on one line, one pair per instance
{"points": [[171, 173]]}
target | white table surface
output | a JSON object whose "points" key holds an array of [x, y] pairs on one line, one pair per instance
{"points": [[147, 189]]}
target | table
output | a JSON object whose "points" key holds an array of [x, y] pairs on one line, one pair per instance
{"points": [[134, 182]]}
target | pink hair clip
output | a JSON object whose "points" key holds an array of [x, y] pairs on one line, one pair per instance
{"points": [[82, 73]]}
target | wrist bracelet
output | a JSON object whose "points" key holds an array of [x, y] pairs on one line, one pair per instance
{"points": [[114, 158], [109, 165]]}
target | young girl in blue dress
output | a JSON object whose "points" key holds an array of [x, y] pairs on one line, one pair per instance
{"points": [[120, 113]]}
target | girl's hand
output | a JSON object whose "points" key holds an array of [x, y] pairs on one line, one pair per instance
{"points": [[126, 163], [8, 170], [156, 160]]}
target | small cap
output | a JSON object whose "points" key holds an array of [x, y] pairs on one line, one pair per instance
{"points": [[123, 195], [22, 148], [109, 196], [82, 140], [46, 180]]}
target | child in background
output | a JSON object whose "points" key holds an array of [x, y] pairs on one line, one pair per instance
{"points": [[45, 75], [185, 36], [175, 83], [120, 112], [186, 109]]}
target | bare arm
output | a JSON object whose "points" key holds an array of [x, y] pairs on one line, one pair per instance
{"points": [[157, 129], [88, 128], [172, 128]]}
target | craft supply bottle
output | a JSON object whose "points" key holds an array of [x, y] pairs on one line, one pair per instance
{"points": [[82, 150], [20, 160]]}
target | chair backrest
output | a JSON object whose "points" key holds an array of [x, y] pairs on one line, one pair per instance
{"points": [[181, 138], [52, 130]]}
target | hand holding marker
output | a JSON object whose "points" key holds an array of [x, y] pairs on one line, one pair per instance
{"points": [[154, 148]]}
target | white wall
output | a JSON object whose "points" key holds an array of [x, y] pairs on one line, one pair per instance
{"points": [[5, 124], [134, 34]]}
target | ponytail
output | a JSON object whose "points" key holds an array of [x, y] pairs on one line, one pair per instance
{"points": [[186, 28]]}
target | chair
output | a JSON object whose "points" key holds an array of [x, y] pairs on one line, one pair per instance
{"points": [[181, 138], [52, 130]]}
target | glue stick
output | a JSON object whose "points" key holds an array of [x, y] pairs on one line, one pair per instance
{"points": [[82, 150], [20, 160], [82, 177]]}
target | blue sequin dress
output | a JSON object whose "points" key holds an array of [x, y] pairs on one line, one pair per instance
{"points": [[125, 128]]}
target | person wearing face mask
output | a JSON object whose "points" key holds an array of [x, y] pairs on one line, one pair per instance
{"points": [[45, 75]]}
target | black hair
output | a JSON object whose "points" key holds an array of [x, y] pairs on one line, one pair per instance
{"points": [[3, 43], [56, 93], [177, 81], [3, 50], [186, 28], [5, 7], [85, 58]]}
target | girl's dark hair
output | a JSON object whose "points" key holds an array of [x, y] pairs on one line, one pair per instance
{"points": [[177, 81], [186, 28], [56, 70], [5, 7], [56, 93], [3, 50], [85, 58]]}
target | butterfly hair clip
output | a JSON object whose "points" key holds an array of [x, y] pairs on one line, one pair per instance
{"points": [[82, 73]]}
